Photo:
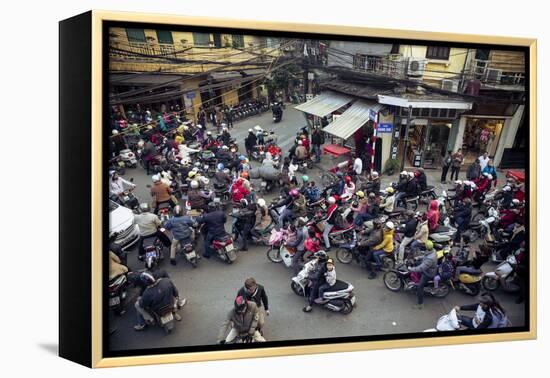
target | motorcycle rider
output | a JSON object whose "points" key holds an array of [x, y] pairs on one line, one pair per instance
{"points": [[161, 193], [272, 137], [222, 179], [158, 294], [214, 220], [250, 142], [246, 216], [241, 320], [198, 199], [301, 152], [433, 215], [225, 137], [462, 215], [330, 280], [330, 220], [360, 206], [373, 185], [421, 179], [385, 246], [238, 191], [485, 310], [408, 189], [312, 193], [316, 269], [409, 233], [223, 155], [116, 266], [428, 270], [148, 224], [294, 209], [422, 233], [117, 186], [349, 189], [388, 202], [263, 220], [181, 227], [298, 244], [253, 291], [505, 196], [147, 154], [259, 135]]}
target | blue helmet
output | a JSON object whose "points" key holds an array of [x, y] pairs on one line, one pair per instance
{"points": [[242, 157], [220, 166]]}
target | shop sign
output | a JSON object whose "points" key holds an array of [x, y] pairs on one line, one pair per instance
{"points": [[384, 128], [190, 95]]}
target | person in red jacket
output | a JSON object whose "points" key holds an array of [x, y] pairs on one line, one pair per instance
{"points": [[433, 215], [238, 192], [483, 185], [305, 143]]}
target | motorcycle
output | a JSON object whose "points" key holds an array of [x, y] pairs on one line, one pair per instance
{"points": [[401, 279], [504, 276], [128, 157], [336, 235], [117, 293], [427, 195], [188, 251], [443, 234], [277, 251], [225, 249], [153, 253], [339, 298], [237, 230], [469, 283], [258, 153], [164, 212], [448, 322], [482, 226], [164, 317]]}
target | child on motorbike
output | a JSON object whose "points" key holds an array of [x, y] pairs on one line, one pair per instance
{"points": [[330, 280]]}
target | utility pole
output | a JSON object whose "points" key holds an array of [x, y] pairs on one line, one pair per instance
{"points": [[406, 140]]}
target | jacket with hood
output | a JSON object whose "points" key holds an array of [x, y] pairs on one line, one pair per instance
{"points": [[387, 242], [422, 232], [246, 323], [433, 215]]}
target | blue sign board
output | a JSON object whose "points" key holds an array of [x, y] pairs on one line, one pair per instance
{"points": [[190, 95], [384, 128]]}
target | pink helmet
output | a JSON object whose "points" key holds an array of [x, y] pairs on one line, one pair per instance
{"points": [[294, 192]]}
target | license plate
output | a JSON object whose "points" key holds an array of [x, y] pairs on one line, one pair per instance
{"points": [[114, 301], [150, 254], [167, 318], [229, 247], [121, 164], [191, 254]]}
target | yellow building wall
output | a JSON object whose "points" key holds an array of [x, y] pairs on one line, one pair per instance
{"points": [[230, 96], [436, 69]]}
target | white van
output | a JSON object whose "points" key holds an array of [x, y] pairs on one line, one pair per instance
{"points": [[121, 222]]}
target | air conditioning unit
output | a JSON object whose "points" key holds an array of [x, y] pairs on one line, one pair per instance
{"points": [[493, 75], [449, 85], [416, 67]]}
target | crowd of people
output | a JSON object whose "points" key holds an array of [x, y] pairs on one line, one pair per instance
{"points": [[316, 218]]}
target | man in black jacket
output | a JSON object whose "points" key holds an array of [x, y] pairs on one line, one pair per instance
{"points": [[408, 237], [317, 139], [462, 215], [250, 142], [214, 221], [256, 292]]}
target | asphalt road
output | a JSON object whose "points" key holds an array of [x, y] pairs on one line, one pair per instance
{"points": [[211, 288]]}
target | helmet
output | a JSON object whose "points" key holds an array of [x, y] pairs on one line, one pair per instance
{"points": [[301, 221], [404, 173], [321, 255], [339, 174], [410, 174], [242, 157], [178, 211], [261, 202], [409, 213], [191, 174], [224, 147], [390, 225], [515, 202], [245, 174], [147, 278], [429, 245], [212, 206], [258, 128], [485, 174], [305, 178], [374, 174], [294, 192], [194, 184], [205, 181], [360, 194], [506, 188], [389, 190], [458, 182], [300, 143], [243, 202], [241, 304], [250, 130], [226, 171], [372, 195], [490, 177], [331, 200], [348, 179], [220, 167], [156, 178], [199, 126], [224, 126], [209, 133], [144, 206], [115, 132]]}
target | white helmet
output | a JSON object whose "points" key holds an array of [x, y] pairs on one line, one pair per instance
{"points": [[224, 147], [209, 133], [156, 178], [458, 182], [205, 180], [490, 177], [115, 132], [404, 173], [194, 184], [515, 201], [485, 174], [390, 225], [300, 142], [199, 126], [374, 174], [250, 130], [261, 202], [224, 126], [410, 174], [506, 188], [331, 200], [257, 128], [141, 143]]}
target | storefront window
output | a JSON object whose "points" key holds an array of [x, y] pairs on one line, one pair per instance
{"points": [[480, 135]]}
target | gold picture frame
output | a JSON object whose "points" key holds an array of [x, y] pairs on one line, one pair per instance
{"points": [[95, 20]]}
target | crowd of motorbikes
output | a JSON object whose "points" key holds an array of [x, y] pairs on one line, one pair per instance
{"points": [[206, 159]]}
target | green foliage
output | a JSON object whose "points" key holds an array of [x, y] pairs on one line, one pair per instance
{"points": [[391, 166]]}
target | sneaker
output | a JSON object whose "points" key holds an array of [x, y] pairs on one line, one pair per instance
{"points": [[307, 309], [139, 327], [418, 306], [177, 317], [182, 302]]}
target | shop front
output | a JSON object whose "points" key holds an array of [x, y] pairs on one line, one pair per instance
{"points": [[428, 140], [481, 135]]}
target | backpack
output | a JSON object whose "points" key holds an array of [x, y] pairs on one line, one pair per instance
{"points": [[500, 320]]}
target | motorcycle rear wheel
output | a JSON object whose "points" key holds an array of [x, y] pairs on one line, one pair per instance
{"points": [[392, 281], [489, 283], [274, 255], [387, 263], [345, 256], [348, 307], [296, 289]]}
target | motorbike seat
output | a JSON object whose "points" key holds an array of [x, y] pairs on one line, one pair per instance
{"points": [[339, 285], [441, 229], [427, 190]]}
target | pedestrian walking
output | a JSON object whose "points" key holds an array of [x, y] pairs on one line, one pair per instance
{"points": [[446, 164]]}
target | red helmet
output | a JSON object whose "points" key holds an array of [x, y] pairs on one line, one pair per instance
{"points": [[348, 179], [294, 192], [244, 174]]}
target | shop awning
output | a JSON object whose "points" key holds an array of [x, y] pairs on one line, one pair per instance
{"points": [[324, 104], [424, 103], [353, 118]]}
